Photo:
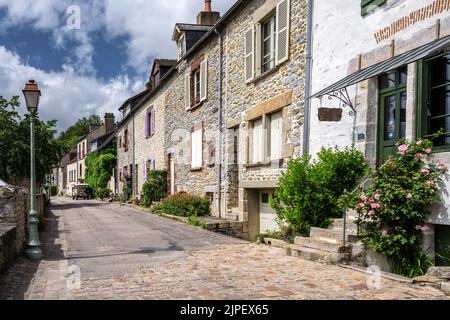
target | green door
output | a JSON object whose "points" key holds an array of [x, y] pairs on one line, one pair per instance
{"points": [[392, 112]]}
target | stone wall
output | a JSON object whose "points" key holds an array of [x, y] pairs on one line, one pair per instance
{"points": [[13, 214], [233, 229]]}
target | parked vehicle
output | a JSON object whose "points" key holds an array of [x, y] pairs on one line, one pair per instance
{"points": [[81, 191]]}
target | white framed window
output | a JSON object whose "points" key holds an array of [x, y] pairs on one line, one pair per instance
{"points": [[274, 140], [257, 147], [197, 149], [196, 79], [181, 48], [267, 42], [266, 138], [268, 36]]}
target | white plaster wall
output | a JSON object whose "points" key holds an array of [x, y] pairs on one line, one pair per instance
{"points": [[340, 35]]}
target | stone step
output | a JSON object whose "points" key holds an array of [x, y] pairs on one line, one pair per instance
{"points": [[232, 216], [335, 234], [324, 244], [301, 252], [339, 223]]}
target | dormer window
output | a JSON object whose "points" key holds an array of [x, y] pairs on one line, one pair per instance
{"points": [[181, 47]]}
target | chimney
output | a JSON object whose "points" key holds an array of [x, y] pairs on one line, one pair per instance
{"points": [[208, 17], [208, 6], [109, 122]]}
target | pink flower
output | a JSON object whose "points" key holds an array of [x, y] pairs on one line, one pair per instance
{"points": [[377, 196], [371, 213], [425, 171], [419, 155], [384, 232], [361, 205], [419, 143], [442, 166], [422, 228], [363, 197], [402, 149], [428, 150], [375, 206]]}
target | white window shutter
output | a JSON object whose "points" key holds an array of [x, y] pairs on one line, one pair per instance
{"points": [[276, 143], [258, 141], [197, 152], [204, 80], [283, 30], [250, 54], [187, 90]]}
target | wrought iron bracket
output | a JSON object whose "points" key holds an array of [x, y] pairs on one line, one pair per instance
{"points": [[344, 97]]}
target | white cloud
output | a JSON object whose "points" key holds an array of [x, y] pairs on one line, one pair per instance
{"points": [[66, 96], [149, 25], [75, 91]]}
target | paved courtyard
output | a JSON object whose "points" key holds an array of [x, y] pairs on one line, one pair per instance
{"points": [[95, 250]]}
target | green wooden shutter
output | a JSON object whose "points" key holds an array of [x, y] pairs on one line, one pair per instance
{"points": [[369, 5]]}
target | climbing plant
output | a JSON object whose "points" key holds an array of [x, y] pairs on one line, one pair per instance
{"points": [[394, 209], [99, 170]]}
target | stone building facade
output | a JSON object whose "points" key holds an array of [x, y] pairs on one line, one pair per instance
{"points": [[370, 34], [232, 109]]}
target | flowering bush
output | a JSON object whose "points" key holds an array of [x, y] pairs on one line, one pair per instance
{"points": [[394, 210]]}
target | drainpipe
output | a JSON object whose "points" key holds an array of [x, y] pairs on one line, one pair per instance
{"points": [[307, 116], [219, 128], [133, 179]]}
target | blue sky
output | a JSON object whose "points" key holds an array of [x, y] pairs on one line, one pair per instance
{"points": [[92, 69]]}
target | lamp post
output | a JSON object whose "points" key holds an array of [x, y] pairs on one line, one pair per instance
{"points": [[32, 95]]}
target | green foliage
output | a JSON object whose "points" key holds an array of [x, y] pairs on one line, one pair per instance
{"points": [[15, 144], [70, 137], [155, 188], [394, 210], [308, 193], [53, 191], [126, 191], [194, 221], [99, 169], [184, 205], [273, 235]]}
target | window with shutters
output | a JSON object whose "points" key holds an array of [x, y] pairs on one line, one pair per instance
{"points": [[125, 140], [368, 6], [434, 100], [196, 84], [181, 47], [150, 122], [266, 139], [197, 149], [267, 43], [268, 36]]}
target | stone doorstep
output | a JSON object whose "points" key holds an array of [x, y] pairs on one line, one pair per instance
{"points": [[334, 234], [386, 275], [339, 223], [323, 244], [445, 287], [440, 272], [310, 254], [276, 243]]}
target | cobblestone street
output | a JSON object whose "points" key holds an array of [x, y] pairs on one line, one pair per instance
{"points": [[121, 253]]}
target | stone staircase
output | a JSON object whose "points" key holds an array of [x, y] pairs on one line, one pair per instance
{"points": [[326, 244]]}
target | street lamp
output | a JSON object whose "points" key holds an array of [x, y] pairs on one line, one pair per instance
{"points": [[32, 95]]}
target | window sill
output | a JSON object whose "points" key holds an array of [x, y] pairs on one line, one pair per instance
{"points": [[197, 169], [195, 106], [265, 74], [270, 163]]}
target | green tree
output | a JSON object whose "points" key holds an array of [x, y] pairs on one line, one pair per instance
{"points": [[15, 144], [70, 137], [99, 169]]}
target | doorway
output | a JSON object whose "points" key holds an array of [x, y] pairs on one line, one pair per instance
{"points": [[392, 112]]}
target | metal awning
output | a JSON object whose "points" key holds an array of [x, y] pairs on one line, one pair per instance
{"points": [[338, 89]]}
